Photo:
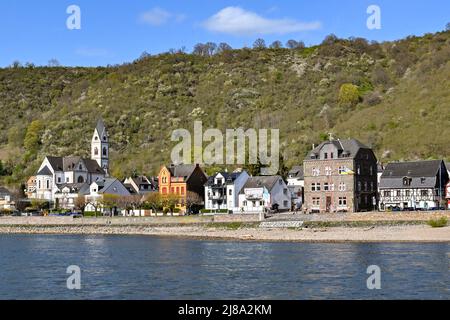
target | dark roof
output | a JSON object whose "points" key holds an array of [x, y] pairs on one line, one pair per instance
{"points": [[347, 147], [75, 187], [45, 171], [182, 170], [229, 177], [423, 174], [261, 181], [4, 191], [296, 172], [69, 164], [100, 128]]}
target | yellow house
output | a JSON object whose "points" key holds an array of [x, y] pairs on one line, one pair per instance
{"points": [[179, 180]]}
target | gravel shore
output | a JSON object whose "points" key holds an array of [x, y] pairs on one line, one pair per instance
{"points": [[405, 233]]}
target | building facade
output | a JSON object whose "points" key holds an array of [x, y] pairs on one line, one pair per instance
{"points": [[57, 175], [296, 185], [179, 180], [222, 190], [263, 194], [413, 185], [340, 176]]}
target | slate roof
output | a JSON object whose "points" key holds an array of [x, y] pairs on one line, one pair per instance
{"points": [[182, 170], [349, 147], [100, 128], [45, 171], [229, 177], [261, 181], [423, 174], [4, 191], [69, 164], [296, 172], [82, 188]]}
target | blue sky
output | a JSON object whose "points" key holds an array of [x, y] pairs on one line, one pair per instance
{"points": [[119, 31]]}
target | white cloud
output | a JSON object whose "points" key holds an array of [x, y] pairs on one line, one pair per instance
{"points": [[158, 17], [237, 21]]}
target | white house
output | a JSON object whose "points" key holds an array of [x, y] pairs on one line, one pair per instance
{"points": [[68, 173], [222, 190], [5, 200], [264, 193], [296, 185], [98, 189]]}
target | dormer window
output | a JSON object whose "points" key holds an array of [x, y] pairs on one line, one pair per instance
{"points": [[331, 155], [325, 155], [406, 181], [422, 180]]}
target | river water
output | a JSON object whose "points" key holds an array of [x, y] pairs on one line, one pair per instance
{"points": [[144, 267]]}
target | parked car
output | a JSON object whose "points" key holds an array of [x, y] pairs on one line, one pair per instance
{"points": [[74, 214], [396, 209]]}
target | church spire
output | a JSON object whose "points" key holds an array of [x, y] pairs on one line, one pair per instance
{"points": [[100, 146]]}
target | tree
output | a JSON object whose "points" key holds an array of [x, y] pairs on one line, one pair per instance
{"points": [[276, 45], [170, 201], [223, 47], [447, 27], [53, 63], [192, 199], [80, 203], [283, 170], [293, 44], [32, 139], [211, 48], [330, 39], [153, 200], [110, 201], [348, 94], [259, 44]]}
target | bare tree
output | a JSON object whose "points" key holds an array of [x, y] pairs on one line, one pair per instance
{"points": [[293, 44], [276, 45], [223, 47], [80, 203], [53, 63], [192, 199], [259, 44]]}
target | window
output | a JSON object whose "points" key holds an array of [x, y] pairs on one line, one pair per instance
{"points": [[342, 170], [80, 167], [422, 180], [182, 191], [219, 181], [315, 186], [387, 194], [59, 179], [342, 201], [105, 152], [359, 185], [331, 155], [80, 179], [285, 191], [318, 187], [325, 155], [316, 201], [96, 149], [366, 188], [39, 184], [230, 192], [328, 171], [406, 181], [67, 179], [244, 203], [358, 170], [424, 193], [285, 203], [371, 170], [407, 193], [164, 190], [326, 186], [315, 172], [178, 190], [341, 186], [398, 193], [280, 182], [48, 184]]}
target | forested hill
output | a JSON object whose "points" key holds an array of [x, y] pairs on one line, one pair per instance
{"points": [[393, 96]]}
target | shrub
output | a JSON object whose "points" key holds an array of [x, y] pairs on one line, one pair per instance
{"points": [[438, 223]]}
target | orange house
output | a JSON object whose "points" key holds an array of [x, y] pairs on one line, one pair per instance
{"points": [[181, 179]]}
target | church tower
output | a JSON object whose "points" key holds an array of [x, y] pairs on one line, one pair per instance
{"points": [[100, 146]]}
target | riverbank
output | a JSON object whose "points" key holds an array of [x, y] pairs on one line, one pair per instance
{"points": [[391, 233]]}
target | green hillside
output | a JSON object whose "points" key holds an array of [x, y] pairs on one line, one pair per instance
{"points": [[393, 96]]}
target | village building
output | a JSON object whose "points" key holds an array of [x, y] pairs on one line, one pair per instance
{"points": [[222, 191], [413, 185], [98, 190], [340, 176], [264, 193], [447, 195], [61, 180], [180, 180], [141, 185], [6, 202], [296, 185]]}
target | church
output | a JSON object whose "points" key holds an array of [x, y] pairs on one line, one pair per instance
{"points": [[62, 179]]}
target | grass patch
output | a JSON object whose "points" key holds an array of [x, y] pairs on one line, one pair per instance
{"points": [[232, 225], [438, 223]]}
